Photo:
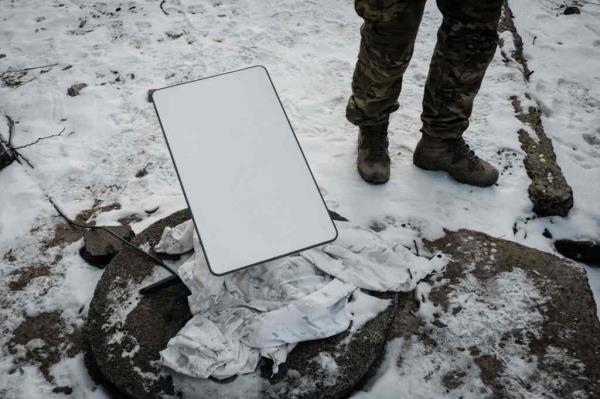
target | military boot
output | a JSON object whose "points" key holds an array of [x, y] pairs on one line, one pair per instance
{"points": [[455, 157], [373, 160]]}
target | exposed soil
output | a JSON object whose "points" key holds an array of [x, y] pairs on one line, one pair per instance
{"points": [[130, 219], [54, 341], [66, 234], [24, 276]]}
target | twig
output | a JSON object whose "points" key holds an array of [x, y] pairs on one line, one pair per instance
{"points": [[15, 154], [124, 241], [11, 129], [29, 69], [40, 139], [18, 155], [416, 247], [21, 84], [162, 3]]}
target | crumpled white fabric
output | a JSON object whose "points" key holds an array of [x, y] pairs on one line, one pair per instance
{"points": [[177, 240], [263, 311], [362, 257]]}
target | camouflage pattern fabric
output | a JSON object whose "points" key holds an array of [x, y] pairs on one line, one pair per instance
{"points": [[465, 46]]}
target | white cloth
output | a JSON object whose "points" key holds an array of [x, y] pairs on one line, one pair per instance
{"points": [[362, 257], [263, 311], [177, 240]]}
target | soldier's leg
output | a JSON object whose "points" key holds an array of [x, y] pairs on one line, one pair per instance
{"points": [[466, 43], [387, 40]]}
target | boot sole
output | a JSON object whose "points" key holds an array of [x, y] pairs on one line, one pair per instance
{"points": [[371, 180], [442, 169]]}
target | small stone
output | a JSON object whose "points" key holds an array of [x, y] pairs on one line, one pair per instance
{"points": [[454, 379], [336, 216], [150, 211], [439, 324], [174, 35], [570, 10], [2, 55], [75, 89], [100, 247], [547, 233], [63, 389]]}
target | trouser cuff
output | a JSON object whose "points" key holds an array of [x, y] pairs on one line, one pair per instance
{"points": [[374, 129]]}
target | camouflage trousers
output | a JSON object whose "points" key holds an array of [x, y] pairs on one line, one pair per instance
{"points": [[466, 43]]}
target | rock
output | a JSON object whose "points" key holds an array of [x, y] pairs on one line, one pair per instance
{"points": [[2, 55], [549, 191], [174, 34], [75, 89], [152, 210], [454, 379], [141, 173], [67, 390], [570, 10], [144, 325], [582, 251], [336, 216], [504, 304], [100, 247]]}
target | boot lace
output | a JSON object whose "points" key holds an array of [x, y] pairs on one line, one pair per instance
{"points": [[377, 145], [461, 150]]}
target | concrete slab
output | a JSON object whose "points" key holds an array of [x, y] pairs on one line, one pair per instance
{"points": [[503, 321], [125, 333]]}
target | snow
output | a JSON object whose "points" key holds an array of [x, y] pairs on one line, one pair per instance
{"points": [[364, 307], [490, 312], [310, 48], [564, 53]]}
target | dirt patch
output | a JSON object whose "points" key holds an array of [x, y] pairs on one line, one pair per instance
{"points": [[66, 234], [43, 340], [129, 219], [26, 275], [490, 367]]}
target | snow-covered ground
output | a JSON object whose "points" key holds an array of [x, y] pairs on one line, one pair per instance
{"points": [[564, 53], [121, 49]]}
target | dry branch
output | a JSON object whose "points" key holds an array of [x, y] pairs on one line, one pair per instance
{"points": [[162, 4], [40, 139], [31, 68], [11, 129]]}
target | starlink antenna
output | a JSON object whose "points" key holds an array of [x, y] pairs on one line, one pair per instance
{"points": [[247, 183]]}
